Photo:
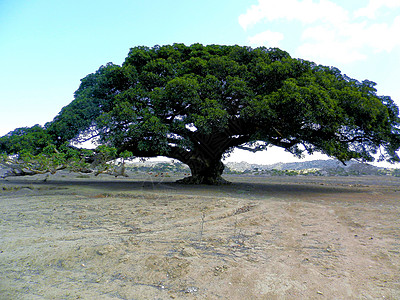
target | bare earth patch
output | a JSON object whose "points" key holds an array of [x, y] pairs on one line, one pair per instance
{"points": [[259, 238]]}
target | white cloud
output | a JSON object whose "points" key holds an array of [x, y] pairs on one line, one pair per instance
{"points": [[374, 5], [305, 11], [329, 31], [324, 43], [333, 51], [349, 42], [383, 37], [267, 38]]}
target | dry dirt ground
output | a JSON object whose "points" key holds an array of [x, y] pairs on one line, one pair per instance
{"points": [[149, 238]]}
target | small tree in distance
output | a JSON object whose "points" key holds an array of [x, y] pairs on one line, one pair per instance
{"points": [[197, 103]]}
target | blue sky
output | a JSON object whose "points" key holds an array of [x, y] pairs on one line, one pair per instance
{"points": [[47, 46]]}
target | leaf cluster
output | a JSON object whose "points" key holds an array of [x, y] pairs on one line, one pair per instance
{"points": [[29, 139], [30, 151]]}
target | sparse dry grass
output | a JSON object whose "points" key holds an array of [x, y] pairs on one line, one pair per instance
{"points": [[259, 238]]}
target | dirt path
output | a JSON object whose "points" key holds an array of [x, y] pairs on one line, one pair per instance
{"points": [[260, 238]]}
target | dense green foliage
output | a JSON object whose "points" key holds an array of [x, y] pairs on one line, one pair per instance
{"points": [[32, 140], [195, 104]]}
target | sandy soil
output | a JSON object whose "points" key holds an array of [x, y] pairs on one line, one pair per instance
{"points": [[149, 238]]}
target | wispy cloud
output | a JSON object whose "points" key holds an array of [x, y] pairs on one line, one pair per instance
{"points": [[267, 38], [329, 31], [305, 11], [374, 6]]}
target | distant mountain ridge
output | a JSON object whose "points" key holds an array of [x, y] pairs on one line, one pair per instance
{"points": [[328, 166], [323, 165]]}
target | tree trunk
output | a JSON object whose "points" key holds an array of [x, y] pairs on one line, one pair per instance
{"points": [[205, 171]]}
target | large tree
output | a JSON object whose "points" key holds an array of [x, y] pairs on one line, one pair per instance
{"points": [[195, 104]]}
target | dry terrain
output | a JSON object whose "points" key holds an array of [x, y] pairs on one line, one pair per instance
{"points": [[146, 237]]}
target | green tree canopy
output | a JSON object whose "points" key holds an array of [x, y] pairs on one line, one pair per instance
{"points": [[197, 103], [32, 140]]}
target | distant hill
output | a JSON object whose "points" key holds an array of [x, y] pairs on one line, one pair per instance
{"points": [[314, 164], [316, 167]]}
